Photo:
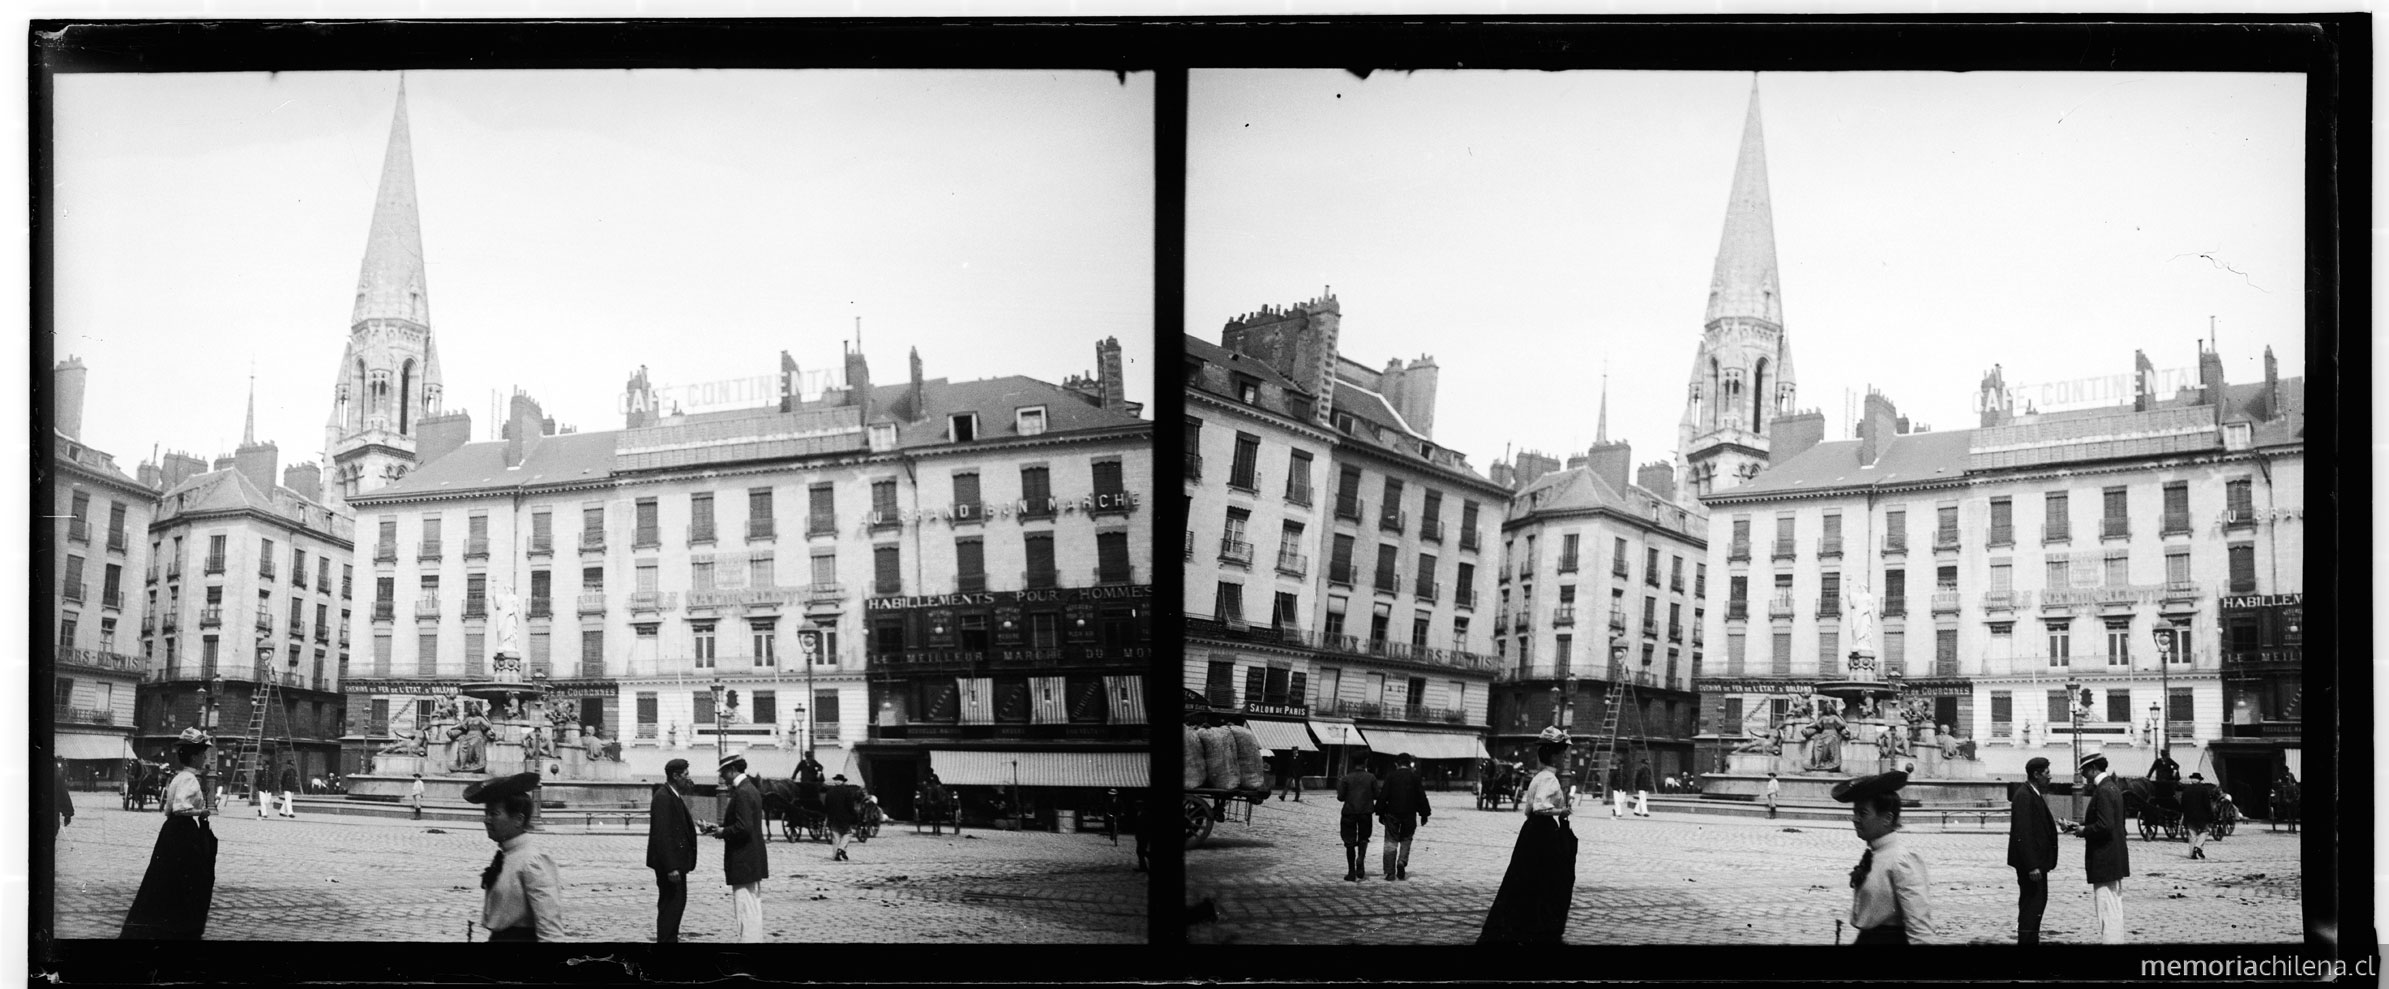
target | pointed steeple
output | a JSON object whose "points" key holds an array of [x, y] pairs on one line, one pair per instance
{"points": [[249, 428], [1744, 283], [1601, 431], [391, 284]]}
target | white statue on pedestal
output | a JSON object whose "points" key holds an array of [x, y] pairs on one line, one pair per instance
{"points": [[1863, 608], [506, 619]]}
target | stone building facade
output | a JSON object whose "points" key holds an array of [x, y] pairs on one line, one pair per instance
{"points": [[95, 669], [2137, 551]]}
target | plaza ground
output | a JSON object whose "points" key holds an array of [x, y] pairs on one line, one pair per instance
{"points": [[1703, 879], [340, 878]]}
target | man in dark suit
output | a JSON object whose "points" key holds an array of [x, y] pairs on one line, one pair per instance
{"points": [[842, 809], [744, 862], [1358, 791], [2105, 857], [2199, 800], [671, 849], [63, 814], [1402, 806], [2031, 849]]}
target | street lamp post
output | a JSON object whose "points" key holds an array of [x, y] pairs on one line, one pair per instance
{"points": [[808, 642], [2077, 700], [721, 743], [2166, 644], [209, 697]]}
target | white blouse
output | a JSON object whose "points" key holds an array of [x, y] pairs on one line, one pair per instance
{"points": [[184, 796], [1544, 795]]}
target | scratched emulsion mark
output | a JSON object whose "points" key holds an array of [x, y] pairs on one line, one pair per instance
{"points": [[2218, 262]]}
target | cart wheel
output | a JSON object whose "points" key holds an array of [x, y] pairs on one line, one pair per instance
{"points": [[2148, 828], [1198, 822]]}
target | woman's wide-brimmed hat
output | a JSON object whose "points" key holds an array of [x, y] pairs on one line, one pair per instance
{"points": [[193, 736], [1552, 734]]}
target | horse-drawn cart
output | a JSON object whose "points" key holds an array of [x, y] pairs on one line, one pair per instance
{"points": [[1206, 806], [140, 791], [1500, 783]]}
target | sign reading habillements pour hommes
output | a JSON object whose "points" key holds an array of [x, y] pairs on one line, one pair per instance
{"points": [[2264, 600]]}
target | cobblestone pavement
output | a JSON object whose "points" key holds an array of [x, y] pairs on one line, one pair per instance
{"points": [[335, 877], [1700, 879]]}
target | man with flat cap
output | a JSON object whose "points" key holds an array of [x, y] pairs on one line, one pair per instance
{"points": [[1889, 899], [745, 863], [671, 850], [2031, 849], [521, 891], [2104, 856]]}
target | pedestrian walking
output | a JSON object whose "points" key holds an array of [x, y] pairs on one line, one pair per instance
{"points": [[744, 862], [65, 809], [842, 806], [671, 849], [2031, 849], [1890, 898], [2105, 856], [1532, 906], [933, 805], [180, 885], [290, 804], [1642, 790], [414, 796], [522, 893], [1774, 790], [1358, 792], [1289, 776], [2199, 800], [1618, 782], [1402, 807]]}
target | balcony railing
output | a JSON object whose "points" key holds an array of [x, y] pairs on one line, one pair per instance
{"points": [[174, 569], [1617, 620], [2181, 590], [2002, 535], [1235, 551], [476, 606], [1567, 563], [825, 731], [1033, 579], [1780, 605], [542, 544], [1393, 520], [1738, 550], [85, 715], [2242, 585], [1350, 509], [2172, 523], [1194, 466], [427, 609], [215, 562], [298, 630], [1945, 601], [1465, 596], [885, 519], [1111, 503], [211, 616], [2239, 517], [1501, 623], [1737, 610], [1784, 549], [1945, 539], [1829, 606], [1563, 615], [477, 548], [1426, 588], [700, 532], [1430, 530], [2001, 600], [969, 511], [1826, 546], [384, 610], [1247, 480], [592, 603], [1293, 564], [539, 607], [642, 602], [2056, 532], [829, 592], [644, 537], [970, 583], [760, 528], [1352, 644], [1299, 494], [822, 524], [593, 539], [428, 549], [1895, 605], [116, 541], [151, 577], [1895, 544], [1468, 539], [1388, 581], [112, 599], [1339, 573], [78, 530], [2115, 528], [264, 624]]}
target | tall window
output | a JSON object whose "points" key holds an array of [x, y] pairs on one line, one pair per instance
{"points": [[1039, 547], [1945, 652], [1228, 603], [966, 496], [593, 652], [1111, 558], [1781, 660], [2243, 567], [646, 534], [821, 510], [887, 570], [2237, 497], [883, 503], [1242, 471], [2177, 566], [2118, 570], [1339, 567], [2119, 642], [2177, 506], [542, 532], [700, 517], [2061, 641], [702, 644], [970, 564], [1298, 477], [1036, 492], [763, 634]]}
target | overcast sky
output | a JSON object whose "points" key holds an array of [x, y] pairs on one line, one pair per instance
{"points": [[579, 224], [1526, 228]]}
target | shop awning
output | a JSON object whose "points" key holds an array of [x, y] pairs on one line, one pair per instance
{"points": [[1095, 769], [80, 746], [1425, 744], [1275, 735], [1336, 733]]}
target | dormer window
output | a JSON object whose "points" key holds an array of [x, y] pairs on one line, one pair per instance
{"points": [[1344, 422], [883, 437], [2236, 435], [1248, 390], [962, 427], [1029, 421]]}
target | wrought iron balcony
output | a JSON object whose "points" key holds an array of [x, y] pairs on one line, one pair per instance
{"points": [[1430, 530], [1737, 610], [211, 616], [2002, 535], [476, 606], [1389, 581], [1895, 605], [1784, 549], [1293, 564], [542, 544], [1393, 520], [1194, 466], [2113, 528], [2003, 600], [1111, 575], [643, 537], [1563, 615], [969, 511], [1350, 509], [825, 592], [592, 540], [1339, 573], [970, 583], [2239, 517], [428, 549], [1299, 493], [539, 607], [1426, 588], [2056, 532], [761, 528], [1829, 606], [1465, 596], [1895, 544], [427, 609], [78, 530], [644, 602], [1945, 601], [1235, 551], [1112, 503], [1246, 479], [2172, 523], [1567, 563], [215, 562], [1780, 605], [384, 610], [1468, 539], [1945, 539], [821, 524], [1501, 623], [700, 532], [1033, 579], [1738, 550], [477, 548], [1826, 546], [592, 603], [1617, 620]]}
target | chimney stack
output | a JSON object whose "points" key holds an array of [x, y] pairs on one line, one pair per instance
{"points": [[2271, 399], [523, 422], [67, 396], [638, 402], [151, 476], [1659, 477], [1793, 434], [306, 479], [790, 395], [1877, 424], [1612, 462], [1576, 461], [2210, 380], [437, 436], [180, 467], [1503, 476], [1994, 399], [1109, 376], [858, 381], [916, 400]]}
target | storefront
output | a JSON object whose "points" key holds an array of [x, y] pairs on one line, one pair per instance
{"points": [[2263, 652], [94, 760], [1445, 759]]}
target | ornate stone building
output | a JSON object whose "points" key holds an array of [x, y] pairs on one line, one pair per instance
{"points": [[1742, 379], [388, 381]]}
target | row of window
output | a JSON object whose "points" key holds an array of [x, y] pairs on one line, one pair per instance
{"points": [[1563, 655], [217, 561], [2057, 524], [1569, 560], [762, 635], [821, 519], [1280, 683], [1244, 475], [2062, 572], [2119, 642], [78, 521], [2116, 708], [1564, 614]]}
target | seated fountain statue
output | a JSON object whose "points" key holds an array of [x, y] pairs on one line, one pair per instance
{"points": [[1825, 735], [404, 741], [1953, 747], [469, 742], [597, 748]]}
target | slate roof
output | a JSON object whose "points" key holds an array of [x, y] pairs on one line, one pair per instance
{"points": [[1580, 489], [564, 458]]}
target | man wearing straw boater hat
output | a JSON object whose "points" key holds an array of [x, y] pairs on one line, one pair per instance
{"points": [[1889, 899], [744, 862], [2104, 856], [521, 891]]}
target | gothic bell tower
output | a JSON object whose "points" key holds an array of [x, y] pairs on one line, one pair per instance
{"points": [[1741, 378], [389, 376]]}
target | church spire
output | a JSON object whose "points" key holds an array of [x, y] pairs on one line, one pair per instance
{"points": [[1601, 431], [1744, 283], [249, 428], [391, 284]]}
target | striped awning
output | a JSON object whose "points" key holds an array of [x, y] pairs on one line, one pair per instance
{"points": [[1127, 695], [992, 768], [1425, 744], [72, 745], [1275, 735], [1336, 733]]}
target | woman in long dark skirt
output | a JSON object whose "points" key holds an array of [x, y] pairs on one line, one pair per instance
{"points": [[1532, 907], [181, 883]]}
